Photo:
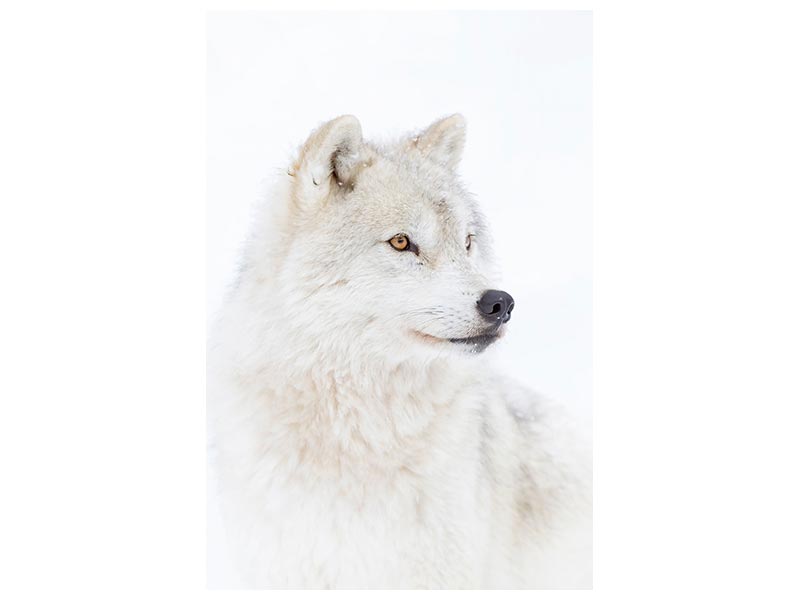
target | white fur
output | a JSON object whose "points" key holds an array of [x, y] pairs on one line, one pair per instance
{"points": [[356, 446]]}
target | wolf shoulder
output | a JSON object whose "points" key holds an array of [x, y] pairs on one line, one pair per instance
{"points": [[536, 471]]}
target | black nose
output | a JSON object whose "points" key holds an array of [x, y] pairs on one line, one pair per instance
{"points": [[496, 306]]}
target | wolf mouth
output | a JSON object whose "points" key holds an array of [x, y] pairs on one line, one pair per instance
{"points": [[478, 342]]}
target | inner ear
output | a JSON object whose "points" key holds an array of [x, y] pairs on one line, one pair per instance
{"points": [[330, 154], [345, 161]]}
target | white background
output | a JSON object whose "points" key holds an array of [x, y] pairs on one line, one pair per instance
{"points": [[523, 80], [102, 232]]}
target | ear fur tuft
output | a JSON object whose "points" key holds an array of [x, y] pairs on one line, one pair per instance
{"points": [[443, 141]]}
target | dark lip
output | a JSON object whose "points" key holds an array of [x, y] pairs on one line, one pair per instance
{"points": [[478, 342]]}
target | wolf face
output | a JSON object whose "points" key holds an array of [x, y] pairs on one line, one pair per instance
{"points": [[381, 247]]}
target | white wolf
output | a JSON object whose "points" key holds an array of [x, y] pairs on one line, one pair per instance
{"points": [[361, 438]]}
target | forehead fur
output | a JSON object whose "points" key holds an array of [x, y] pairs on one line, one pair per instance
{"points": [[402, 185]]}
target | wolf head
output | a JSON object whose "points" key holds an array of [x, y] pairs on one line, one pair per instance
{"points": [[379, 247]]}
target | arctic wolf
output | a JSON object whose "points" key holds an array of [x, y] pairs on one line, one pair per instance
{"points": [[361, 437]]}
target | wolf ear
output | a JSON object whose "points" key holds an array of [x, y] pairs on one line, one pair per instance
{"points": [[329, 157], [443, 142]]}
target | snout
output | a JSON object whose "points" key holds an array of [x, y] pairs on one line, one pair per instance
{"points": [[495, 306]]}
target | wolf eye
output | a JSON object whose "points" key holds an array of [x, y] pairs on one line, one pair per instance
{"points": [[400, 242]]}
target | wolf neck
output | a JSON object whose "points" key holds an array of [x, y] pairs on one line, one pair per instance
{"points": [[367, 383], [354, 410]]}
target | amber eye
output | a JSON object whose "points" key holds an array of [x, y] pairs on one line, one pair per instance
{"points": [[399, 242]]}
